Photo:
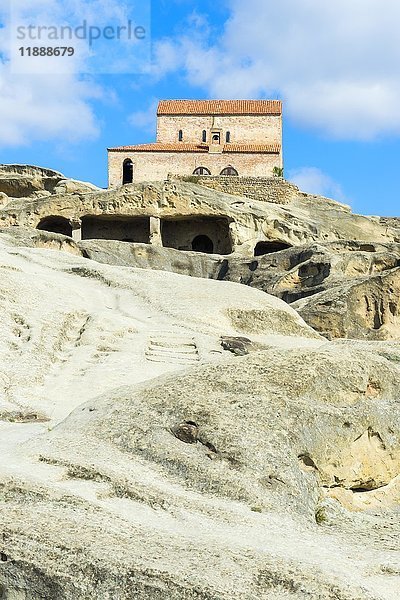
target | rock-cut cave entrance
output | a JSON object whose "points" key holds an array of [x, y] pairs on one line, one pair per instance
{"points": [[113, 227], [199, 234], [202, 243], [56, 224], [269, 247]]}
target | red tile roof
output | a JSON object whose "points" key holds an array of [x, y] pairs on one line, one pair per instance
{"points": [[219, 107], [182, 147], [253, 148], [159, 147]]}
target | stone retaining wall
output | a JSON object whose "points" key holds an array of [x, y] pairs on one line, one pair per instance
{"points": [[265, 189]]}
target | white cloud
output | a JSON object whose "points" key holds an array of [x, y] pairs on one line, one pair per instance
{"points": [[41, 108], [335, 64], [315, 181], [43, 102], [145, 119]]}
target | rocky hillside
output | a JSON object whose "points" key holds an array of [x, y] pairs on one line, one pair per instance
{"points": [[185, 425]]}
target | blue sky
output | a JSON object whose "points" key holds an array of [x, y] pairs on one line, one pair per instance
{"points": [[334, 65]]}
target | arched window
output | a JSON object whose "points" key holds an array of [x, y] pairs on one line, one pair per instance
{"points": [[204, 137], [180, 135], [127, 171], [228, 137], [216, 138], [202, 243], [56, 225], [229, 171], [201, 171]]}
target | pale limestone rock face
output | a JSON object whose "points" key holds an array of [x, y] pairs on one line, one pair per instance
{"points": [[352, 295], [342, 289], [306, 219], [71, 186], [105, 372], [166, 432], [338, 286], [366, 308], [346, 289], [23, 181]]}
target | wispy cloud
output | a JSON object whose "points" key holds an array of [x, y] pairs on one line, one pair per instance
{"points": [[145, 120], [39, 108], [335, 64], [50, 99], [315, 181]]}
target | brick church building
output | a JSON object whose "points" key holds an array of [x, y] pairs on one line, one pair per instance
{"points": [[204, 137]]}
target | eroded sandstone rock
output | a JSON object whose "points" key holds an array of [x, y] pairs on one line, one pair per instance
{"points": [[142, 460], [366, 308], [24, 181]]}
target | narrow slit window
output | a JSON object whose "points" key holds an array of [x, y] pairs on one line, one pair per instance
{"points": [[204, 137], [228, 137], [180, 135], [127, 171]]}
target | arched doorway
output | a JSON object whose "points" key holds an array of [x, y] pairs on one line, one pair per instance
{"points": [[127, 171], [199, 233], [230, 171], [202, 243], [268, 247], [56, 224], [201, 171]]}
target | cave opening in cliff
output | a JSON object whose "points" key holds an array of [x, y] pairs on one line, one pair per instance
{"points": [[202, 243], [269, 247], [114, 227], [56, 224], [199, 234]]}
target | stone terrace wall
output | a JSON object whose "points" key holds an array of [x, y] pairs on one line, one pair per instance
{"points": [[265, 189]]}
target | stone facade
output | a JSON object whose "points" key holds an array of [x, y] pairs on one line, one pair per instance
{"points": [[155, 166], [243, 137], [243, 129]]}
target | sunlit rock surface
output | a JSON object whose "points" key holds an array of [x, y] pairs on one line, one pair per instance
{"points": [[167, 433]]}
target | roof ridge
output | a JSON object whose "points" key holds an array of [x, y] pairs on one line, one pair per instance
{"points": [[219, 106], [273, 147]]}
